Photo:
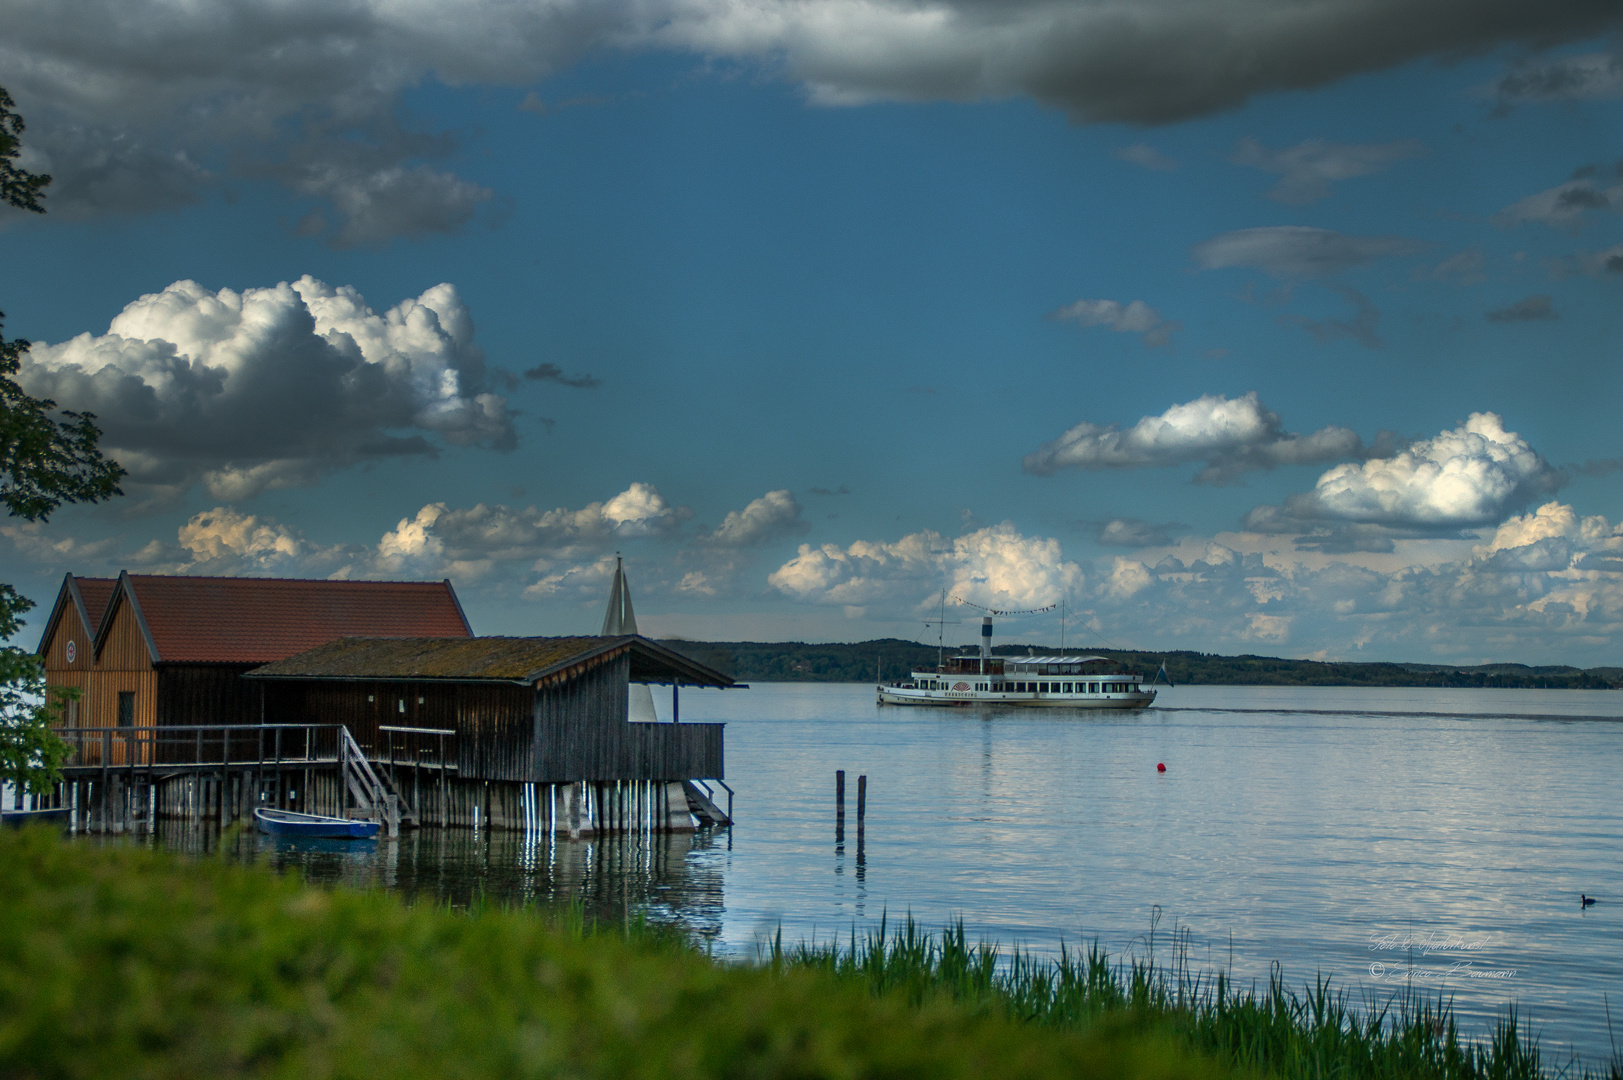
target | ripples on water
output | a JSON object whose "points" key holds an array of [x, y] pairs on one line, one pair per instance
{"points": [[1333, 831]]}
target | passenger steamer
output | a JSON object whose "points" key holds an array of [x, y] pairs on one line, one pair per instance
{"points": [[1070, 682]]}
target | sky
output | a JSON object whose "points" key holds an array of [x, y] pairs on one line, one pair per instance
{"points": [[1248, 326]]}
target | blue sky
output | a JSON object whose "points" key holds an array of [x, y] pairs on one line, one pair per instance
{"points": [[1257, 328]]}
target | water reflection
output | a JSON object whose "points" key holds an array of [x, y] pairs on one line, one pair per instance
{"points": [[672, 879]]}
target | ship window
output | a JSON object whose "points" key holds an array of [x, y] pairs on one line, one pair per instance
{"points": [[1093, 688], [1067, 688]]}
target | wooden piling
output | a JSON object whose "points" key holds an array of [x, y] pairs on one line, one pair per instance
{"points": [[839, 806]]}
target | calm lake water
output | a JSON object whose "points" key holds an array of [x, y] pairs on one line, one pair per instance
{"points": [[1378, 836]]}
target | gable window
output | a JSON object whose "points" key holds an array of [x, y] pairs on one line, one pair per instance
{"points": [[126, 708]]}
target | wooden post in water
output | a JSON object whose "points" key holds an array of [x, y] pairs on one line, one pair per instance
{"points": [[862, 803], [839, 806]]}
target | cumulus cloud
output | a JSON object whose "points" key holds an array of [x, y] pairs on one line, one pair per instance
{"points": [[773, 516], [1231, 436], [1136, 317], [1145, 156], [1532, 309], [1298, 252], [1565, 206], [263, 77], [1307, 169], [1476, 474], [996, 566], [471, 541], [273, 387]]}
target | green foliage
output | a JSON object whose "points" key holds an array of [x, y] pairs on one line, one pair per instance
{"points": [[44, 462], [796, 661], [116, 961], [18, 187]]}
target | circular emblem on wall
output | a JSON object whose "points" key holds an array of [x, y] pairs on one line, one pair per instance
{"points": [[73, 652], [960, 686]]}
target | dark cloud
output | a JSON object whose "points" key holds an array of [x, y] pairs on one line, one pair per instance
{"points": [[841, 490], [1360, 327], [1532, 309], [554, 373], [218, 77], [1577, 78]]}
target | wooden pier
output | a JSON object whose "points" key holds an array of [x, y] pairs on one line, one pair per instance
{"points": [[125, 779]]}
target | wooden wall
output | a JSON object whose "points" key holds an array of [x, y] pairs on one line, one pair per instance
{"points": [[124, 665], [206, 694], [571, 731], [59, 672]]}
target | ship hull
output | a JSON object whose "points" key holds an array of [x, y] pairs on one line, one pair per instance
{"points": [[1134, 699]]}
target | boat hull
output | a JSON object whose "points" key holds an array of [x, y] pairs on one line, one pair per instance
{"points": [[288, 823], [895, 695], [17, 819]]}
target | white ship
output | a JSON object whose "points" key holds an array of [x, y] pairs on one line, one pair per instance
{"points": [[1068, 682]]}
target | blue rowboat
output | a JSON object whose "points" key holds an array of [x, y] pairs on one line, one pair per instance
{"points": [[17, 819], [287, 823]]}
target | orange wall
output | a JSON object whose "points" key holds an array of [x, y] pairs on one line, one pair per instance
{"points": [[124, 665]]}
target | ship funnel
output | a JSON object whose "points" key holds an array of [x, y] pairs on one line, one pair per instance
{"points": [[986, 637]]}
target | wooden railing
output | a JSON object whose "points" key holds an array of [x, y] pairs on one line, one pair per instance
{"points": [[227, 745]]}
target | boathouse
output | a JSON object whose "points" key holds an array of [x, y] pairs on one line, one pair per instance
{"points": [[147, 650], [506, 729], [208, 697]]}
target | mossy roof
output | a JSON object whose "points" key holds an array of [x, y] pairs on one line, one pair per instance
{"points": [[505, 659]]}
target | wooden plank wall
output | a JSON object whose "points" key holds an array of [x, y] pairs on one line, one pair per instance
{"points": [[59, 672], [124, 664], [193, 694]]}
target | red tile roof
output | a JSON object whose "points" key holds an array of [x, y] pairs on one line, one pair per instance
{"points": [[257, 620], [95, 592]]}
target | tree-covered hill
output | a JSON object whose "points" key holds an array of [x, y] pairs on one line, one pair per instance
{"points": [[863, 661]]}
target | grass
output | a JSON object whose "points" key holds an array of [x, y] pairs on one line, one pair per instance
{"points": [[117, 961], [1319, 1033]]}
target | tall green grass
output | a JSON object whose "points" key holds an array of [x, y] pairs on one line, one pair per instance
{"points": [[1320, 1032], [123, 962]]}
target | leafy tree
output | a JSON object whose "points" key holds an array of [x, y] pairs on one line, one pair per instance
{"points": [[44, 462]]}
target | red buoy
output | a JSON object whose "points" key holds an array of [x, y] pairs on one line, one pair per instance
{"points": [[1160, 766]]}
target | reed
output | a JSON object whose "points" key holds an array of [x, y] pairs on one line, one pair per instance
{"points": [[1318, 1032]]}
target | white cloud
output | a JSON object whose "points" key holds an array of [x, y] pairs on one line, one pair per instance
{"points": [[1231, 436], [472, 542], [1298, 252], [1307, 169], [1476, 474], [773, 516], [996, 566], [1136, 317], [273, 387]]}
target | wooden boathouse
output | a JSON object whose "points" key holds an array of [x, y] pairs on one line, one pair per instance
{"points": [[376, 702], [149, 650]]}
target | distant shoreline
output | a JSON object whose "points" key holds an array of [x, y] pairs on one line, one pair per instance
{"points": [[864, 661]]}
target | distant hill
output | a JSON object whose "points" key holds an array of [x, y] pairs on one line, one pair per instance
{"points": [[797, 661]]}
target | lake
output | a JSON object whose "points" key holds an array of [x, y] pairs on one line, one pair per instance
{"points": [[1438, 838]]}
